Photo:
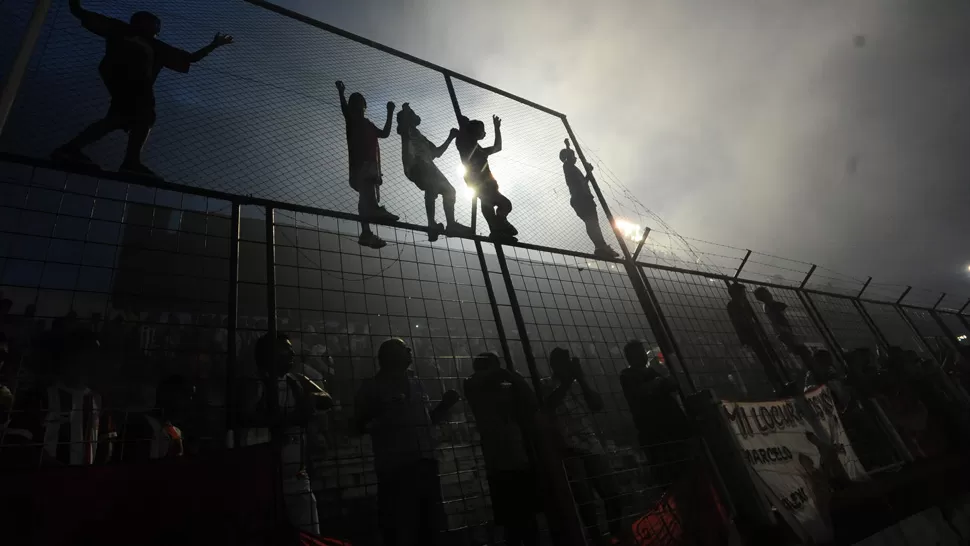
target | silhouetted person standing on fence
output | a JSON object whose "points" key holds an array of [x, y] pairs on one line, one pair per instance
{"points": [[582, 201], [478, 175], [750, 335], [133, 58], [662, 425], [418, 154], [572, 399], [394, 408], [504, 408], [365, 163]]}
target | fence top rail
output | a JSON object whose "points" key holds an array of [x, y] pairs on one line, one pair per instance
{"points": [[398, 53], [96, 173]]}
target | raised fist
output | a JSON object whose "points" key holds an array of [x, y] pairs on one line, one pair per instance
{"points": [[497, 121], [340, 86], [390, 106]]}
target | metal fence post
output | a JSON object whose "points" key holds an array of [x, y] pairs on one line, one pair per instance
{"points": [[641, 285], [457, 107], [530, 358], [11, 86], [867, 318], [273, 401], [912, 326], [495, 310], [231, 325], [827, 335]]}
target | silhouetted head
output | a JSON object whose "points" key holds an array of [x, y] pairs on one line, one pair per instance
{"points": [[146, 24], [407, 119], [559, 361], [736, 290], [486, 362], [274, 357], [476, 128], [636, 354], [394, 355], [357, 103], [567, 156], [763, 295]]}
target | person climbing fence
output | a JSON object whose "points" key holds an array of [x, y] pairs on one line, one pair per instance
{"points": [[478, 175], [582, 201], [418, 155], [365, 163], [133, 58]]}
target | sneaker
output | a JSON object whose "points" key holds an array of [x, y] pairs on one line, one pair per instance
{"points": [[458, 230], [605, 252], [370, 240], [137, 169], [434, 230], [71, 156], [508, 227]]}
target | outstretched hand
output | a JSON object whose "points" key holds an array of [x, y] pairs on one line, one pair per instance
{"points": [[453, 133], [497, 121], [222, 39], [340, 86]]}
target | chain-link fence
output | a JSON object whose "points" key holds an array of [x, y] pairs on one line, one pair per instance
{"points": [[133, 308]]}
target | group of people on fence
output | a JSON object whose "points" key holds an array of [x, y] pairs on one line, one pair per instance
{"points": [[134, 56], [926, 401]]}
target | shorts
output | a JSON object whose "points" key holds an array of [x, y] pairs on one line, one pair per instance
{"points": [[134, 105], [429, 179], [486, 190], [515, 495], [365, 174], [585, 207]]}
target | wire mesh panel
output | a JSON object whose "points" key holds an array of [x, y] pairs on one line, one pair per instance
{"points": [[696, 308], [339, 301], [929, 330], [846, 323], [259, 117], [957, 326], [13, 20], [115, 301], [787, 321], [528, 170], [891, 324]]}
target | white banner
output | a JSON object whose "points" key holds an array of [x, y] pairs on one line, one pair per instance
{"points": [[781, 447]]}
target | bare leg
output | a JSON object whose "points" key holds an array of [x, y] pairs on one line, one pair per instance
{"points": [[594, 232], [92, 133], [136, 142], [429, 202], [448, 203], [367, 204]]}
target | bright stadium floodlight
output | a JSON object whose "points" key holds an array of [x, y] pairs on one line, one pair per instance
{"points": [[629, 230]]}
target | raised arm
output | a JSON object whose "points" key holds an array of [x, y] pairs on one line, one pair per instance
{"points": [[219, 41], [497, 145], [440, 150], [386, 131], [343, 99]]}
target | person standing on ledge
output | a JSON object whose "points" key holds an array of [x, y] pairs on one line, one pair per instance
{"points": [[133, 58], [418, 154], [582, 201], [365, 163], [495, 206]]}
